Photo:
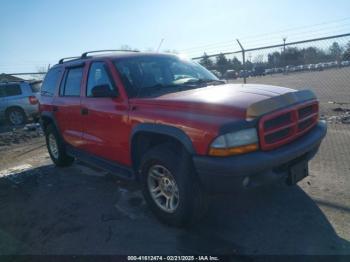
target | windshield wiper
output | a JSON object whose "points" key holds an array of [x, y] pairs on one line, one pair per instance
{"points": [[204, 81], [149, 90], [192, 83]]}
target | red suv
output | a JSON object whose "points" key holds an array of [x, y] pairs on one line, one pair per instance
{"points": [[170, 124]]}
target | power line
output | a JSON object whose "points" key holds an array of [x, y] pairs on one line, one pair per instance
{"points": [[250, 44], [280, 45], [271, 33]]}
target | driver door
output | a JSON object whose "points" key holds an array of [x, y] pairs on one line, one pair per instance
{"points": [[104, 114]]}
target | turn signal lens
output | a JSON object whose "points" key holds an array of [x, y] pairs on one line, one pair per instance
{"points": [[233, 150]]}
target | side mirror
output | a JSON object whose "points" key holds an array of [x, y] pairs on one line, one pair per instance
{"points": [[103, 91]]}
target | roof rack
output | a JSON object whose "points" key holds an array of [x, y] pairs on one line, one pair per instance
{"points": [[12, 81], [84, 55], [67, 58]]}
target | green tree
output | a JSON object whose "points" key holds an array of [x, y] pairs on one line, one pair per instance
{"points": [[293, 56], [274, 59], [335, 50], [346, 55], [248, 65], [206, 61], [222, 64], [311, 55], [236, 64]]}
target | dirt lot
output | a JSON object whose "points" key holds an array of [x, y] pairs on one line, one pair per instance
{"points": [[82, 210]]}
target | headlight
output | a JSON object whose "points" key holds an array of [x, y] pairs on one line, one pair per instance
{"points": [[239, 142]]}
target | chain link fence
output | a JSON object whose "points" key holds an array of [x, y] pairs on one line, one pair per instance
{"points": [[322, 65]]}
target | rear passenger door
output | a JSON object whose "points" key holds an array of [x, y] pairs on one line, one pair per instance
{"points": [[67, 106]]}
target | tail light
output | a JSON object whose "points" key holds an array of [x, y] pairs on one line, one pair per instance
{"points": [[33, 100]]}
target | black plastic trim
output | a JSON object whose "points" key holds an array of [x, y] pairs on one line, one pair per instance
{"points": [[171, 131], [108, 165], [51, 116], [228, 171]]}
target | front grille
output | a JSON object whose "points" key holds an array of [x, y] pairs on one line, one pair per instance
{"points": [[278, 121], [276, 136], [282, 127], [305, 111], [305, 124]]}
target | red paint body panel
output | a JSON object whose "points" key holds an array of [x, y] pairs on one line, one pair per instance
{"points": [[69, 120]]}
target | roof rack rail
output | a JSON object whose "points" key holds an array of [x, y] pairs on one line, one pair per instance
{"points": [[84, 55], [13, 81], [67, 58]]}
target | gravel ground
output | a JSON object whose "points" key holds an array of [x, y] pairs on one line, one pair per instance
{"points": [[83, 210]]}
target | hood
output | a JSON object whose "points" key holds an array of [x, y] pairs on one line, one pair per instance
{"points": [[232, 97]]}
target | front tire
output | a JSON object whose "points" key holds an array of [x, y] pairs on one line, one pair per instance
{"points": [[170, 186], [56, 148]]}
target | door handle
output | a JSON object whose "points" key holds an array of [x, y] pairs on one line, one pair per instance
{"points": [[55, 108], [84, 111]]}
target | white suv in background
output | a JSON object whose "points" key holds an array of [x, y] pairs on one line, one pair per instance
{"points": [[19, 101]]}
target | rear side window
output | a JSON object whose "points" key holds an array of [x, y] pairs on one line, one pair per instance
{"points": [[12, 90], [72, 82], [50, 82]]}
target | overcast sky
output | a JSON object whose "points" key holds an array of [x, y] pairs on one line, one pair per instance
{"points": [[35, 33]]}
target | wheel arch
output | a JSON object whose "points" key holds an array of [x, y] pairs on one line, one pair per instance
{"points": [[7, 110], [46, 119], [145, 136]]}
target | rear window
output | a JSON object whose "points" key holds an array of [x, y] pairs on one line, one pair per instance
{"points": [[35, 87], [50, 82], [11, 90]]}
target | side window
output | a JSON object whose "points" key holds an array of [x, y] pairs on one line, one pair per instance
{"points": [[13, 90], [72, 82], [50, 82], [99, 77]]}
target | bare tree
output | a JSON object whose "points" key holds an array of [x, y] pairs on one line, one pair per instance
{"points": [[128, 48], [41, 72]]}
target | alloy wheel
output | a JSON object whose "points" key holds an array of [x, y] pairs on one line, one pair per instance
{"points": [[163, 188]]}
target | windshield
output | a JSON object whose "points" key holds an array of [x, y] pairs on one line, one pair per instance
{"points": [[157, 75]]}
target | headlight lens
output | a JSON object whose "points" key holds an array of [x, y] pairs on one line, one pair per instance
{"points": [[239, 138], [239, 142]]}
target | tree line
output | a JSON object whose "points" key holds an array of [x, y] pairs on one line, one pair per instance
{"points": [[291, 56]]}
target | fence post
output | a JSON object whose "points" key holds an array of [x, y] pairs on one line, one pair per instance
{"points": [[243, 62], [284, 56]]}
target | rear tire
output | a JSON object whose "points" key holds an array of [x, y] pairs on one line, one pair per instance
{"points": [[56, 147], [16, 116], [176, 181]]}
